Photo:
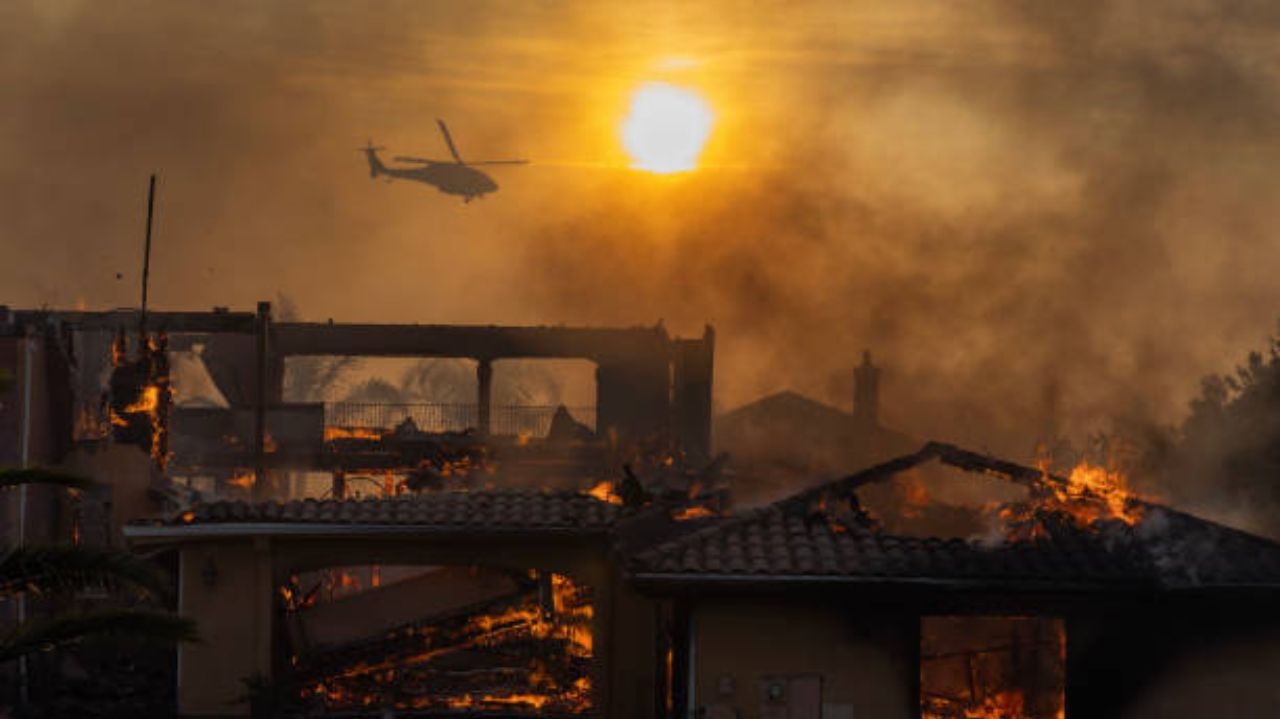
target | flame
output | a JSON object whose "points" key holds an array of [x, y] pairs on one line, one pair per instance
{"points": [[147, 402], [269, 443], [604, 491], [550, 681], [1089, 494], [693, 512], [118, 350], [522, 440], [914, 498], [332, 433], [1109, 486], [244, 480], [1005, 704]]}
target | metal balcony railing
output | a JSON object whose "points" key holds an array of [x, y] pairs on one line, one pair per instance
{"points": [[511, 420]]}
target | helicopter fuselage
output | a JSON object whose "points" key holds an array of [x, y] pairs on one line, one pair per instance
{"points": [[449, 178], [452, 178]]}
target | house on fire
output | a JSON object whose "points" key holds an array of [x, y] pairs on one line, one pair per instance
{"points": [[495, 571], [528, 603]]}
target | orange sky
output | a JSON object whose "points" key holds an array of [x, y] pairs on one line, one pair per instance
{"points": [[1032, 216]]}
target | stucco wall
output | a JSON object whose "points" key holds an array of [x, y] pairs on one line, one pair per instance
{"points": [[234, 616], [867, 664], [1235, 677], [235, 612]]}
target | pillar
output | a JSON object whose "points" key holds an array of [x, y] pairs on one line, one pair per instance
{"points": [[484, 395]]}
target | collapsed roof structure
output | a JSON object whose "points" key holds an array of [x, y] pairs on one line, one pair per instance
{"points": [[662, 589]]}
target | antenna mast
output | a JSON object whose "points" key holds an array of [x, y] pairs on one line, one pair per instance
{"points": [[146, 261]]}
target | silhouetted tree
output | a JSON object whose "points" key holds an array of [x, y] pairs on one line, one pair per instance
{"points": [[52, 570], [1228, 449]]}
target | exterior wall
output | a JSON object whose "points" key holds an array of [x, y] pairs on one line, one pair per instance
{"points": [[125, 472], [1216, 657], [234, 614], [631, 654], [44, 505], [867, 664], [1234, 677]]}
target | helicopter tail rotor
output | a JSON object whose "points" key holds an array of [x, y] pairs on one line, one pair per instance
{"points": [[371, 154]]}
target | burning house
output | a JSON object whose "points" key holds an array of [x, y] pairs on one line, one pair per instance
{"points": [[462, 565], [1076, 600]]}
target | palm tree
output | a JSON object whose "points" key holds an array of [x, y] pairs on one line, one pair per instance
{"points": [[59, 570]]}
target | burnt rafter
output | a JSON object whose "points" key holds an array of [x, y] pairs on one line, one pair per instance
{"points": [[1030, 477]]}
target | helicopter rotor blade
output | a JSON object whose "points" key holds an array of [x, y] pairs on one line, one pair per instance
{"points": [[449, 141], [499, 162], [405, 158]]}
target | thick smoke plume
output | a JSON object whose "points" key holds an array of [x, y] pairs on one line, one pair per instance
{"points": [[1041, 220]]}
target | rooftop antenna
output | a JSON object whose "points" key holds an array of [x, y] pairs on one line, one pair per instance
{"points": [[146, 265]]}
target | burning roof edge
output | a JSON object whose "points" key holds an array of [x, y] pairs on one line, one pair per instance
{"points": [[1171, 550]]}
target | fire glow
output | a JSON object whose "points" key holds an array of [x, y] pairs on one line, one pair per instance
{"points": [[1089, 494], [543, 652], [604, 491]]}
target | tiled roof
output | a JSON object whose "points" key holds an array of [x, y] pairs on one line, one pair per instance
{"points": [[480, 510], [773, 542], [787, 541]]}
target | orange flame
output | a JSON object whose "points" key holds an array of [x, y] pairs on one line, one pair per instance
{"points": [[693, 512], [332, 433], [1090, 494], [604, 491], [148, 402]]}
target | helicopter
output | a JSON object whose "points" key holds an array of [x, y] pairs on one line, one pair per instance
{"points": [[452, 178]]}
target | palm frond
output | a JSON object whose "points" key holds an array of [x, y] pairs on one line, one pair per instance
{"points": [[36, 475], [61, 631], [66, 568]]}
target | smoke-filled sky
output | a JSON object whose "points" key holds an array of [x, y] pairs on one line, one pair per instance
{"points": [[1034, 214]]}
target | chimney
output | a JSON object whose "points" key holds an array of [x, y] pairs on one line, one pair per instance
{"points": [[866, 392]]}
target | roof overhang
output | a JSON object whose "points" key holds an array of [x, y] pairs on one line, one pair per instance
{"points": [[155, 534]]}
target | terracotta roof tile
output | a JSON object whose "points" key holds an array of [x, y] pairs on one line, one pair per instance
{"points": [[497, 510], [1167, 549]]}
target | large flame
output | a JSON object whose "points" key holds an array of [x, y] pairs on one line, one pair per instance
{"points": [[1089, 494]]}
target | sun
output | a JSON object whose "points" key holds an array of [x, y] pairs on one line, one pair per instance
{"points": [[666, 129]]}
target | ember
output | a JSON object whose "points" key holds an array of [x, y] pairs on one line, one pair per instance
{"points": [[693, 512], [604, 491], [332, 433], [523, 655]]}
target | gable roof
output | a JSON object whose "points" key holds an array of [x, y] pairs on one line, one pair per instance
{"points": [[789, 542], [491, 511], [788, 406]]}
